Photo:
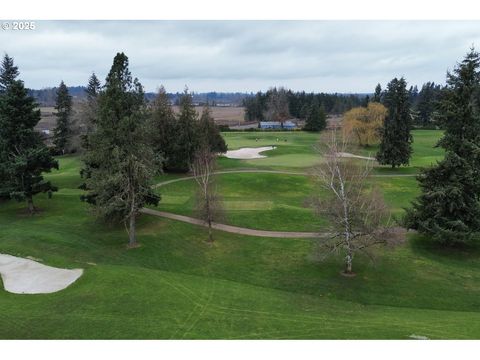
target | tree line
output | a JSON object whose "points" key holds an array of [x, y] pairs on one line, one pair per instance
{"points": [[425, 105], [47, 96], [125, 142], [297, 104]]}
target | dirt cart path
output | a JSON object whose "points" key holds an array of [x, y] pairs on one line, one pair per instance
{"points": [[236, 229]]}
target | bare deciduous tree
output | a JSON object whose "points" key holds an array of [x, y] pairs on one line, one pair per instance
{"points": [[209, 205], [358, 216], [277, 105]]}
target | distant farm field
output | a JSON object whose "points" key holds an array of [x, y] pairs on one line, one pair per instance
{"points": [[223, 115]]}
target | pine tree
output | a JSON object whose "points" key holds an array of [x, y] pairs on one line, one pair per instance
{"points": [[209, 132], [163, 129], [316, 119], [120, 160], [93, 87], [448, 209], [187, 134], [366, 101], [396, 145], [377, 96], [62, 131], [89, 114], [90, 108], [8, 73], [427, 103], [23, 155]]}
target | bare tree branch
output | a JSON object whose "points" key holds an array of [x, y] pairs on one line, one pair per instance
{"points": [[357, 213]]}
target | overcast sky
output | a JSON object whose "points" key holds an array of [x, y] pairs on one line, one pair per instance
{"points": [[329, 56]]}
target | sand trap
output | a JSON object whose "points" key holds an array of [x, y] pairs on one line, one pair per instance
{"points": [[348, 155], [24, 276], [248, 153]]}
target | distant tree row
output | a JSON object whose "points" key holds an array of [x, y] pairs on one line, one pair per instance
{"points": [[47, 96], [298, 104], [424, 104]]}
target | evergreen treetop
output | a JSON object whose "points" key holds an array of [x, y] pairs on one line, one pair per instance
{"points": [[396, 144], [23, 155], [209, 132], [448, 208], [62, 131], [8, 73], [316, 119]]}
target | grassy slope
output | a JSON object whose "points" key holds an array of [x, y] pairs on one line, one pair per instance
{"points": [[261, 201], [175, 286]]}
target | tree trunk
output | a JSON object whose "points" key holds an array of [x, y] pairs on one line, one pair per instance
{"points": [[210, 237], [31, 207], [132, 238], [348, 264]]}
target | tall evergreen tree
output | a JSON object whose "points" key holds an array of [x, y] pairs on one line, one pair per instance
{"points": [[448, 209], [396, 145], [209, 132], [377, 96], [186, 134], [366, 101], [90, 108], [120, 160], [163, 129], [62, 131], [427, 103], [316, 119], [23, 155], [93, 87], [89, 114], [8, 73]]}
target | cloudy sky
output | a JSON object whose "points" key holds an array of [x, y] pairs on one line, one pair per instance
{"points": [[330, 56]]}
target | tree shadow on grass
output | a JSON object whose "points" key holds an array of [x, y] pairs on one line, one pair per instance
{"points": [[424, 246]]}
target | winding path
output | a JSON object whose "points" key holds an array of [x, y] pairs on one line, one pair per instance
{"points": [[240, 230], [236, 229]]}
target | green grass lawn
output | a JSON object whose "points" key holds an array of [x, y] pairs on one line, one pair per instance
{"points": [[424, 154], [176, 286], [275, 201], [296, 152], [299, 153], [259, 200]]}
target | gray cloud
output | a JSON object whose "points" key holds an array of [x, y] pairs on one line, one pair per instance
{"points": [[333, 56]]}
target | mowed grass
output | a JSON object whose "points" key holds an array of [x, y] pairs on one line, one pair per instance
{"points": [[276, 201], [294, 149], [299, 151], [176, 286], [425, 153], [253, 200]]}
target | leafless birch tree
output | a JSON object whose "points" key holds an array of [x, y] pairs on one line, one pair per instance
{"points": [[209, 204], [359, 218]]}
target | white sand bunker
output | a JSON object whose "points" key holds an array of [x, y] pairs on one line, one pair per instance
{"points": [[24, 276], [348, 155], [248, 153]]}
